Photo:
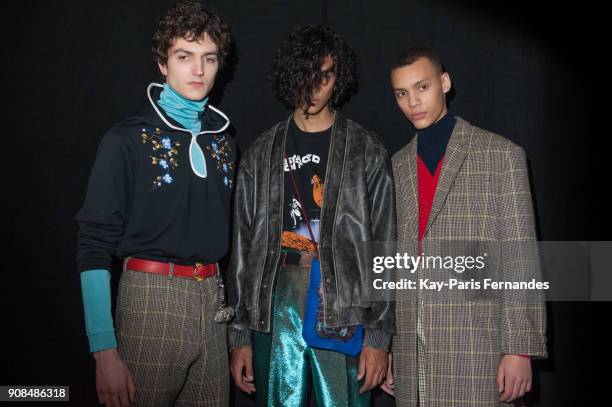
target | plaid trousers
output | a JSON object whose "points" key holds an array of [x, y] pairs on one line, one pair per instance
{"points": [[167, 336]]}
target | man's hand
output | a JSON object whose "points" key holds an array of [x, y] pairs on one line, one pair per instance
{"points": [[241, 367], [387, 385], [373, 365], [114, 381], [513, 377]]}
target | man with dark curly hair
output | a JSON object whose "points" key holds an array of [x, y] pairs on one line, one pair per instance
{"points": [[158, 198], [309, 192]]}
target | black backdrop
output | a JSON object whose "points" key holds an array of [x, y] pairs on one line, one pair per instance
{"points": [[72, 69]]}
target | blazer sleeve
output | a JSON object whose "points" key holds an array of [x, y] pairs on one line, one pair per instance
{"points": [[523, 325]]}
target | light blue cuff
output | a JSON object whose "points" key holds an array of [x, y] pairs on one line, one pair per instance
{"points": [[96, 290]]}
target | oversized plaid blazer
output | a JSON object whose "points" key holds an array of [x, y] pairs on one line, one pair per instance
{"points": [[448, 345]]}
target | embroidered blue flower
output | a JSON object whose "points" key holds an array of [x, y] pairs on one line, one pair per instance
{"points": [[165, 155], [219, 149]]}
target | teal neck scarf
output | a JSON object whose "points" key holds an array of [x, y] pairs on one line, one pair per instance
{"points": [[186, 112]]}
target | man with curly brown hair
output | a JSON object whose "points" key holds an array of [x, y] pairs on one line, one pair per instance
{"points": [[309, 191], [158, 198]]}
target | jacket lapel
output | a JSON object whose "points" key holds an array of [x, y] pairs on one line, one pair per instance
{"points": [[407, 195], [335, 166], [276, 181], [455, 154]]}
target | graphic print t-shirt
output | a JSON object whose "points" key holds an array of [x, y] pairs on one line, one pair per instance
{"points": [[307, 154]]}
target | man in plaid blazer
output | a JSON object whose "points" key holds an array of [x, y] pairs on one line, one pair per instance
{"points": [[459, 185]]}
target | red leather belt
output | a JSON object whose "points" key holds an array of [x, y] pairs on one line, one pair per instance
{"points": [[198, 271]]}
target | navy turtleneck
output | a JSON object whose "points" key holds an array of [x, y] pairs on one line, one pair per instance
{"points": [[432, 141]]}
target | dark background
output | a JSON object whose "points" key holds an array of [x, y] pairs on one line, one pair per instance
{"points": [[73, 69]]}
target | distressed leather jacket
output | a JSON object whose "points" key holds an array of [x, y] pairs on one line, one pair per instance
{"points": [[358, 206]]}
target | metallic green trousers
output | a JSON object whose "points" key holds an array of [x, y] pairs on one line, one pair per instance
{"points": [[284, 365]]}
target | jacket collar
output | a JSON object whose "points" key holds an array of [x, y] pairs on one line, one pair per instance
{"points": [[214, 120]]}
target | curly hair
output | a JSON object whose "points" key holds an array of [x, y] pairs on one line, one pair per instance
{"points": [[295, 72], [189, 19]]}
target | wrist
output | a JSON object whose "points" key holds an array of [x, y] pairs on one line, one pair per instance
{"points": [[105, 354]]}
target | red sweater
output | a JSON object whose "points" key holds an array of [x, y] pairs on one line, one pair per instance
{"points": [[427, 190]]}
